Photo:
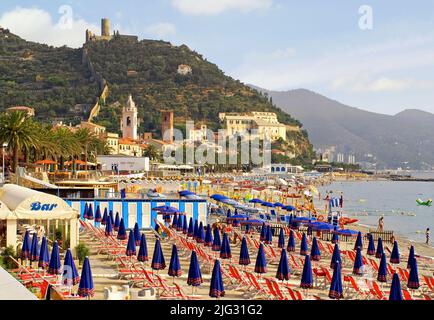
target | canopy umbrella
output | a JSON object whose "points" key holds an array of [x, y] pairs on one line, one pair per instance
{"points": [[238, 217], [371, 246], [346, 232], [174, 221], [244, 253], [269, 236], [70, 274], [394, 257], [86, 207], [117, 222], [166, 210], [291, 242], [315, 253], [267, 204], [108, 228], [336, 291], [255, 201], [321, 226], [131, 245], [263, 235], [184, 225], [216, 289], [174, 265], [253, 222], [395, 289], [143, 250], [190, 232], [112, 219], [413, 278], [86, 288], [34, 250], [179, 223], [358, 268], [89, 213], [281, 242], [359, 241], [278, 204], [44, 258], [336, 257], [200, 234], [304, 249], [158, 262], [382, 269], [289, 208], [45, 162], [137, 235], [411, 257], [104, 217], [186, 193], [225, 251], [218, 197], [194, 275], [122, 233], [283, 270], [98, 217], [380, 251], [261, 262], [216, 244], [54, 266], [208, 236], [306, 276]]}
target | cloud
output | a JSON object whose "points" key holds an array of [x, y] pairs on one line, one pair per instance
{"points": [[214, 7], [37, 25], [161, 30]]}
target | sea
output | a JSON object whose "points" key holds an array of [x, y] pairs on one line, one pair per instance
{"points": [[367, 201]]}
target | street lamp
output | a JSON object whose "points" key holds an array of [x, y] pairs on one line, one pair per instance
{"points": [[4, 146]]}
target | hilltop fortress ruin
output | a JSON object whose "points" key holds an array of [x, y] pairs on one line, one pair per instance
{"points": [[105, 33]]}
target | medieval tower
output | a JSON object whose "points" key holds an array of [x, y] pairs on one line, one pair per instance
{"points": [[129, 121], [105, 27], [167, 121]]}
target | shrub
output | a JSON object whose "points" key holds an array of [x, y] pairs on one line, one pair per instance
{"points": [[82, 252], [5, 261]]}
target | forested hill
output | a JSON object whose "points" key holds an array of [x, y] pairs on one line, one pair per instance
{"points": [[55, 80]]}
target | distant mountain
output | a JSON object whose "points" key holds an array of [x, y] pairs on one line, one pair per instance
{"points": [[403, 140]]}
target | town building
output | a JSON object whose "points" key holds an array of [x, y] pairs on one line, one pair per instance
{"points": [[129, 121], [30, 111]]}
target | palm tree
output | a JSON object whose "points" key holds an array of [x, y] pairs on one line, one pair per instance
{"points": [[19, 132], [151, 152]]}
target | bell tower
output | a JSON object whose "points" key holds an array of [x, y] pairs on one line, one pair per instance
{"points": [[129, 121]]}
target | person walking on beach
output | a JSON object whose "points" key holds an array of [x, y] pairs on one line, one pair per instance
{"points": [[427, 236], [381, 224]]}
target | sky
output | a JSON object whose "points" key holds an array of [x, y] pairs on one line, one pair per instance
{"points": [[377, 55]]}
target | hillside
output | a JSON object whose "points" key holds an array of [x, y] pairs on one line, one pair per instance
{"points": [[406, 139], [55, 80]]}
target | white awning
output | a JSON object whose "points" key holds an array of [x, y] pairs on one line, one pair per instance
{"points": [[5, 213], [30, 204]]}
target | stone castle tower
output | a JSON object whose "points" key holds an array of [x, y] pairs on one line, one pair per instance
{"points": [[129, 121], [167, 121]]}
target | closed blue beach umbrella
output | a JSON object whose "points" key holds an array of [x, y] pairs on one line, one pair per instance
{"points": [[394, 257], [86, 288], [283, 269], [179, 224], [34, 248], [380, 250], [112, 218], [194, 275], [44, 258], [291, 242], [54, 265], [306, 276], [137, 235], [184, 225], [263, 235], [86, 207], [410, 257], [269, 237], [208, 236], [174, 265], [335, 238], [104, 217], [336, 256], [225, 251], [200, 237], [304, 249], [98, 217], [195, 229], [117, 222], [190, 232], [395, 289], [413, 278], [108, 228], [70, 275], [358, 268], [158, 262], [359, 241], [26, 247], [89, 215], [315, 253], [244, 253], [131, 245], [382, 269], [216, 244], [122, 233], [371, 246], [174, 221], [336, 291], [143, 249], [261, 262], [216, 289], [281, 242]]}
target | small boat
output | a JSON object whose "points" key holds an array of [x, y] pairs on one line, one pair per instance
{"points": [[427, 203]]}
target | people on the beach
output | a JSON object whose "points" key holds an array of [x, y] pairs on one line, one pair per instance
{"points": [[427, 236], [381, 224]]}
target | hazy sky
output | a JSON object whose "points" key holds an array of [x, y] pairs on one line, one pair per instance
{"points": [[275, 44]]}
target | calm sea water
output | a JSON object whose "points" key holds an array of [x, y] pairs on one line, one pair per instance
{"points": [[367, 201]]}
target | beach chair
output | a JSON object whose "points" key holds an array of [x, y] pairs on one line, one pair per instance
{"points": [[429, 282], [353, 286], [270, 289], [373, 263], [378, 292], [258, 289], [406, 295]]}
